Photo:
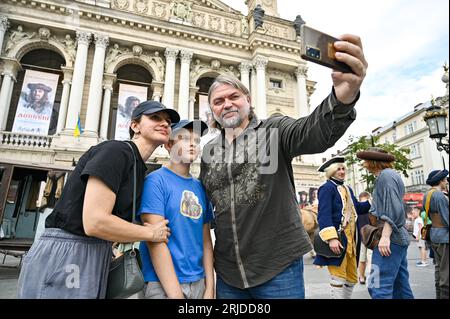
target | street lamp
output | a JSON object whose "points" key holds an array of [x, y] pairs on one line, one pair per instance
{"points": [[436, 118]]}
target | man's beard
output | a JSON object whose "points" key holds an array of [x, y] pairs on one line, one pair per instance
{"points": [[231, 122]]}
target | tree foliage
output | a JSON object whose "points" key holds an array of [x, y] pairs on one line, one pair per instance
{"points": [[356, 144]]}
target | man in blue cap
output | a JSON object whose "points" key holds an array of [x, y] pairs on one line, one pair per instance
{"points": [[436, 207], [183, 267]]}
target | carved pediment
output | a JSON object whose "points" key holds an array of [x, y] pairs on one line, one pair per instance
{"points": [[212, 15], [146, 6]]}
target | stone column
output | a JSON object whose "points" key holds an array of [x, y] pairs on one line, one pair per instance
{"points": [[11, 87], [253, 88], [76, 91], [169, 80], [192, 93], [245, 68], [10, 69], [260, 65], [183, 93], [68, 72], [4, 23], [95, 89], [157, 88], [108, 83], [302, 96]]}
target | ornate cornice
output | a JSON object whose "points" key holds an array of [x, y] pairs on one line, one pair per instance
{"points": [[101, 40], [84, 37]]}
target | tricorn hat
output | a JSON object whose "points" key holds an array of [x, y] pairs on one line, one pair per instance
{"points": [[376, 154], [436, 176], [337, 159], [41, 86]]}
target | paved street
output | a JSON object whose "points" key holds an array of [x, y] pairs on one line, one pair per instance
{"points": [[316, 279]]}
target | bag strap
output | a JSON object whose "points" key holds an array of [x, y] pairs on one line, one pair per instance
{"points": [[427, 206], [134, 181]]}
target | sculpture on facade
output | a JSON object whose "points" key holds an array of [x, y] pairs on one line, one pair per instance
{"points": [[113, 53], [244, 25], [258, 16], [70, 45], [182, 10], [17, 36], [298, 22]]}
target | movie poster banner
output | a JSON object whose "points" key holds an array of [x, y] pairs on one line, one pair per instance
{"points": [[129, 97], [204, 110], [35, 105]]}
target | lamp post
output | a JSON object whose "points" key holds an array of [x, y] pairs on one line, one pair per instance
{"points": [[436, 118]]}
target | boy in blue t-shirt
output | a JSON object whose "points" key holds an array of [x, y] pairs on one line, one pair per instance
{"points": [[183, 267]]}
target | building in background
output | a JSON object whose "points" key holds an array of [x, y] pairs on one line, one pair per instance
{"points": [[410, 131], [95, 59]]}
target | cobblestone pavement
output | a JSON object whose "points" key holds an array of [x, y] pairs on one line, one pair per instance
{"points": [[316, 279]]}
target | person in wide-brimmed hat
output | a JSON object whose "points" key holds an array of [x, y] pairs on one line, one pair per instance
{"points": [[389, 258], [37, 99], [437, 210], [338, 211]]}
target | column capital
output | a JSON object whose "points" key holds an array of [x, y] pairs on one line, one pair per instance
{"points": [[83, 37], [260, 62], [4, 23], [186, 56], [11, 67], [171, 54], [245, 67], [101, 40], [108, 80], [68, 73], [193, 91], [301, 70]]}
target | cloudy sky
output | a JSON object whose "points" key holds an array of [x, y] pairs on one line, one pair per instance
{"points": [[406, 42]]}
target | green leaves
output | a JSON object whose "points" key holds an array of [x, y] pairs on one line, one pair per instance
{"points": [[356, 144]]}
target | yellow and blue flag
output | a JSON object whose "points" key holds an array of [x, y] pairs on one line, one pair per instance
{"points": [[78, 130]]}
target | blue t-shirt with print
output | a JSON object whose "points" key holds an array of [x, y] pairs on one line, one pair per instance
{"points": [[183, 202]]}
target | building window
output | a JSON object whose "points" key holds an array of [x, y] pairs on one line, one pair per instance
{"points": [[417, 177], [414, 151], [394, 136], [411, 128], [276, 84]]}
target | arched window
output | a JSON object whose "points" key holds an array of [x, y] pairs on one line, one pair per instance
{"points": [[201, 99], [129, 74], [42, 60]]}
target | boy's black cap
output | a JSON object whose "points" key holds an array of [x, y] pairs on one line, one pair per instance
{"points": [[150, 107], [195, 125]]}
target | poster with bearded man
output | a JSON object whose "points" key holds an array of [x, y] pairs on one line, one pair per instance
{"points": [[35, 105]]}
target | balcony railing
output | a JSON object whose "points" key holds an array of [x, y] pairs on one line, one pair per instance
{"points": [[25, 140]]}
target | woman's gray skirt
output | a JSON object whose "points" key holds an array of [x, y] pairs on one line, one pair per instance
{"points": [[63, 265]]}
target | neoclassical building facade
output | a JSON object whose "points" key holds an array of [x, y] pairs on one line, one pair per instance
{"points": [[167, 50]]}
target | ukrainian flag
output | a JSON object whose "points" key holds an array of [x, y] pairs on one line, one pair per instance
{"points": [[78, 130]]}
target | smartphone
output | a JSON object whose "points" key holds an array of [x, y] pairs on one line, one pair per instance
{"points": [[318, 47]]}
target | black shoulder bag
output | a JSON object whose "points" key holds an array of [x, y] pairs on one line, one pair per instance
{"points": [[125, 276]]}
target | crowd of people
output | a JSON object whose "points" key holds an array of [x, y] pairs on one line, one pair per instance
{"points": [[245, 194]]}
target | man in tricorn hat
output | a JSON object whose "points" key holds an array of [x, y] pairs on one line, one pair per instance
{"points": [[389, 277], [37, 99], [438, 212], [338, 210]]}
